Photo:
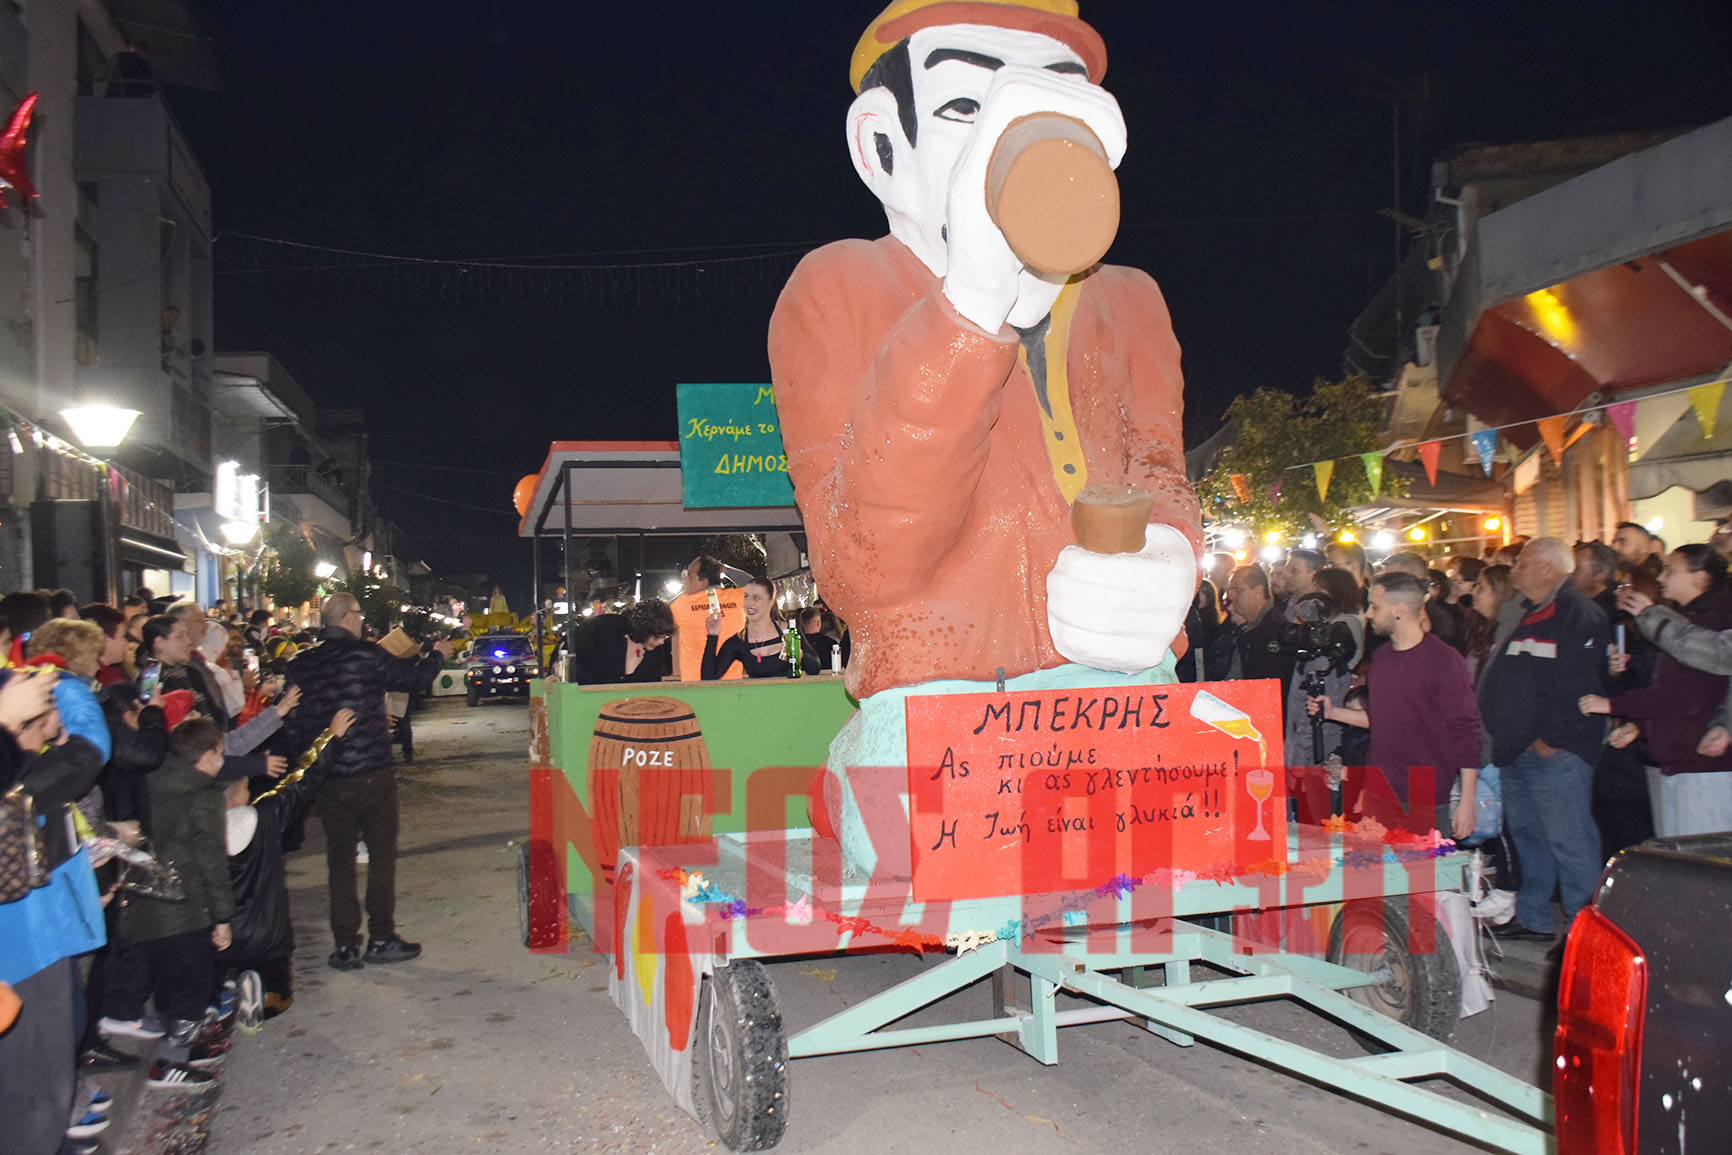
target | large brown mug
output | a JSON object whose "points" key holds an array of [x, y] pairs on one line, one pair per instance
{"points": [[1111, 518], [1051, 192]]}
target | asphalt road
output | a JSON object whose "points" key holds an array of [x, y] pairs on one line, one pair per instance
{"points": [[481, 1046]]}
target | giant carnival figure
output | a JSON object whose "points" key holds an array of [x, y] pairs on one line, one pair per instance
{"points": [[944, 404]]}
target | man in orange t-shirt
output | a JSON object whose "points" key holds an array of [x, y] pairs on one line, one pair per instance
{"points": [[691, 611]]}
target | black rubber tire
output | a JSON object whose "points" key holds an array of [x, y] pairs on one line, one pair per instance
{"points": [[473, 696], [1424, 990], [522, 849], [741, 1065]]}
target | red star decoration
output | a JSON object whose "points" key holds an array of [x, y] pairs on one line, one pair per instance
{"points": [[12, 172]]}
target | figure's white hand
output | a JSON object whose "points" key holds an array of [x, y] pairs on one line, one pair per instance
{"points": [[983, 278], [1121, 611]]}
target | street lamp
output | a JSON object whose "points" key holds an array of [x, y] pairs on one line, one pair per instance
{"points": [[323, 570], [99, 426]]}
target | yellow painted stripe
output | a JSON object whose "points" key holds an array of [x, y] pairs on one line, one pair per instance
{"points": [[1058, 431]]}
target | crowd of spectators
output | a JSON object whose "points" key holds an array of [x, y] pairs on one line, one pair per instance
{"points": [[156, 761], [1588, 682]]}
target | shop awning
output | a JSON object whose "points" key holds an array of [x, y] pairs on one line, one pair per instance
{"points": [[630, 487], [1684, 456], [150, 550], [1616, 282]]}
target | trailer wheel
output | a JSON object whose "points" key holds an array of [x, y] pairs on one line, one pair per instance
{"points": [[741, 1065], [1422, 990]]}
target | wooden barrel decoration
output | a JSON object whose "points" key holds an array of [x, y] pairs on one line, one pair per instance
{"points": [[649, 770]]}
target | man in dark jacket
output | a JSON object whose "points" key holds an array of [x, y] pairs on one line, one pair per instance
{"points": [[1255, 626], [263, 938], [359, 800], [1550, 650]]}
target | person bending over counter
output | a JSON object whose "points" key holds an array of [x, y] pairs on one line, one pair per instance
{"points": [[625, 647]]}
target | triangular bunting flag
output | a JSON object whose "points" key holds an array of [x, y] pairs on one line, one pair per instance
{"points": [[1623, 417], [1428, 453], [1552, 433], [1275, 490], [1373, 463], [1705, 400], [1324, 471], [1656, 415], [1241, 487], [1485, 444]]}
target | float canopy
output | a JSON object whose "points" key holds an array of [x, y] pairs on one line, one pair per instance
{"points": [[630, 487]]}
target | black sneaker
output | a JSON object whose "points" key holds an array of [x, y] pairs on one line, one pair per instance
{"points": [[167, 1076], [102, 1057], [1516, 932], [346, 958], [390, 950]]}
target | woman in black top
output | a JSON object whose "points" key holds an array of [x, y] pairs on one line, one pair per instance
{"points": [[758, 647], [624, 647]]}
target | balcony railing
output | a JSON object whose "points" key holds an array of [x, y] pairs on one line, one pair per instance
{"points": [[306, 479]]}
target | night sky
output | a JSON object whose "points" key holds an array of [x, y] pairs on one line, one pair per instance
{"points": [[656, 139]]}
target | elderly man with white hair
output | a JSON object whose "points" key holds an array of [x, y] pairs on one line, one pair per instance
{"points": [[1549, 651]]}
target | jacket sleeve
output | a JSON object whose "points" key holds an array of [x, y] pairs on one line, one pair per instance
{"points": [[237, 766], [1581, 665], [247, 737], [287, 800], [1696, 646], [62, 774], [407, 673], [887, 407], [81, 714], [208, 833], [714, 663]]}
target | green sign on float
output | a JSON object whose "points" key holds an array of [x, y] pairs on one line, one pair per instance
{"points": [[731, 452]]}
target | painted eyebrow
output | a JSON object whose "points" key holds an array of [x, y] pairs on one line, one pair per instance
{"points": [[979, 59], [992, 63]]}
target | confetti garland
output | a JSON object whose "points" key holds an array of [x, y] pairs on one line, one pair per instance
{"points": [[1394, 847]]}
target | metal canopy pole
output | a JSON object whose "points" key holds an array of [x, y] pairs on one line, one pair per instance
{"points": [[565, 501]]}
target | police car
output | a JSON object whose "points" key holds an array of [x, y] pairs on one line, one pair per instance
{"points": [[500, 665]]}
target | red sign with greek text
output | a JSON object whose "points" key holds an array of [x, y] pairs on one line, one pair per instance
{"points": [[1030, 793]]}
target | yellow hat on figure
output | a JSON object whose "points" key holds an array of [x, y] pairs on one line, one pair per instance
{"points": [[1055, 18]]}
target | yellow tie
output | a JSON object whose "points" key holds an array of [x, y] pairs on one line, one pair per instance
{"points": [[1058, 427]]}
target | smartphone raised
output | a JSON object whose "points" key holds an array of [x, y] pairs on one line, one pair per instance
{"points": [[148, 680]]}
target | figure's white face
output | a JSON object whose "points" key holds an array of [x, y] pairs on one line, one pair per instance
{"points": [[952, 67]]}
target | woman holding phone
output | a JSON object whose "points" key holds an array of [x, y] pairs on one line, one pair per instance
{"points": [[1691, 790]]}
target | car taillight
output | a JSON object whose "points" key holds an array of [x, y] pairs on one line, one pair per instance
{"points": [[1602, 997]]}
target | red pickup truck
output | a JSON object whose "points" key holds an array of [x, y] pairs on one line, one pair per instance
{"points": [[1643, 1053]]}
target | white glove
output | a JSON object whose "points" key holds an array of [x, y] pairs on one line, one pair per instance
{"points": [[1121, 611], [982, 277]]}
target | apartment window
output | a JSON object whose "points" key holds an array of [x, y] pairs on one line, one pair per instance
{"points": [[84, 297]]}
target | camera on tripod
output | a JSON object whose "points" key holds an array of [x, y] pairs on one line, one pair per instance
{"points": [[1314, 635]]}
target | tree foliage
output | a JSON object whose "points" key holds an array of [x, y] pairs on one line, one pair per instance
{"points": [[286, 571], [381, 602], [1274, 431]]}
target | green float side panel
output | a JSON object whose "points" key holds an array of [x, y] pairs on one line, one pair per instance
{"points": [[746, 725]]}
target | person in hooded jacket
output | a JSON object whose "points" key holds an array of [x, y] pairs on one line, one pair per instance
{"points": [[263, 938]]}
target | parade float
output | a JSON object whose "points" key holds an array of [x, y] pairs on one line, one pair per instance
{"points": [[981, 426]]}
